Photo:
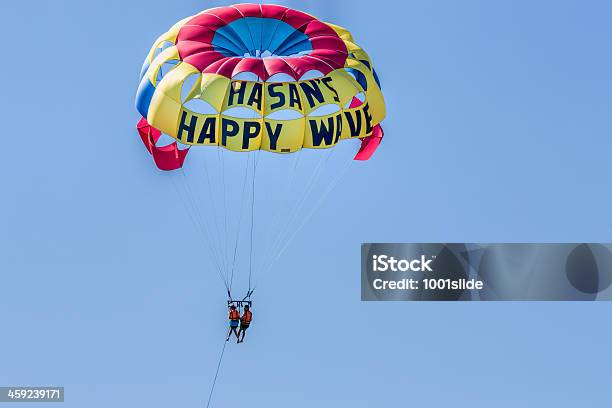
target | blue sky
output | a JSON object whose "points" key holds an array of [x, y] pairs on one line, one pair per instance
{"points": [[498, 130]]}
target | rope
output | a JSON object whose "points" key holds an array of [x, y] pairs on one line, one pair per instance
{"points": [[275, 228], [216, 374], [252, 222], [197, 218], [214, 223], [329, 189], [221, 161], [297, 206], [339, 176], [241, 210]]}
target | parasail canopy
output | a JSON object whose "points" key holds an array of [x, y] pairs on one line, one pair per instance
{"points": [[257, 77]]}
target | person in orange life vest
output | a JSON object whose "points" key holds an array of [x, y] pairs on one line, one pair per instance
{"points": [[245, 321], [234, 319]]}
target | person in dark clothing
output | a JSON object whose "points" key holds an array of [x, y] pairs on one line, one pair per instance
{"points": [[245, 321]]}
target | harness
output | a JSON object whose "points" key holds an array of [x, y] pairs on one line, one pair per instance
{"points": [[234, 315]]}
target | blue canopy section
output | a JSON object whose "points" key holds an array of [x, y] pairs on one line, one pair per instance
{"points": [[251, 36]]}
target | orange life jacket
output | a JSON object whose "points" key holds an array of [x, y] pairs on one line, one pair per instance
{"points": [[234, 315], [246, 318]]}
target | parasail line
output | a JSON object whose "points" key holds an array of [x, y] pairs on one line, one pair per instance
{"points": [[214, 222], [328, 190], [193, 214], [212, 388], [275, 227], [202, 225], [244, 183], [252, 221], [220, 153], [297, 206]]}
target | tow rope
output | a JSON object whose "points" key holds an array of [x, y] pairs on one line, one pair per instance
{"points": [[212, 388]]}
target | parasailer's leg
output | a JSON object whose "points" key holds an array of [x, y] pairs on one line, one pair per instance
{"points": [[242, 332], [233, 328]]}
